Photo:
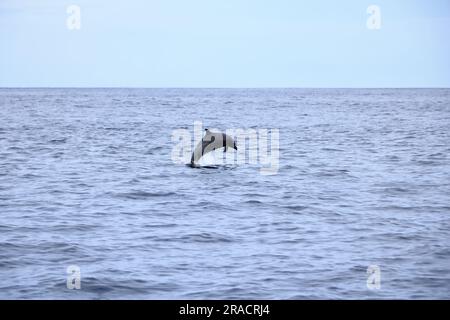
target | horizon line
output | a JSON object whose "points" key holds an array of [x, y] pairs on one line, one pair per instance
{"points": [[181, 87]]}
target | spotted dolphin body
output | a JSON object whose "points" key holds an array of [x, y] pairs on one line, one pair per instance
{"points": [[210, 142]]}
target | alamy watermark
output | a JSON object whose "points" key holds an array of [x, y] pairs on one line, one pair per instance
{"points": [[73, 277], [373, 277], [254, 146], [374, 20], [73, 21]]}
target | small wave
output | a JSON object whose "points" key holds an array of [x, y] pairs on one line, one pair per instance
{"points": [[158, 226], [14, 148], [31, 176], [114, 129], [74, 227], [153, 150], [296, 207], [253, 202], [58, 141], [139, 195], [289, 166], [332, 149], [397, 190], [427, 162], [332, 173], [249, 195], [205, 238]]}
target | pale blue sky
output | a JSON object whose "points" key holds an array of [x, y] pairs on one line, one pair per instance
{"points": [[232, 43]]}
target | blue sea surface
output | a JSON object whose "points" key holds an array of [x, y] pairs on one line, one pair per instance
{"points": [[87, 179]]}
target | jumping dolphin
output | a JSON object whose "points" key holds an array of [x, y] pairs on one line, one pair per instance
{"points": [[210, 142]]}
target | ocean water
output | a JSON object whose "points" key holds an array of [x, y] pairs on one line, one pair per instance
{"points": [[87, 179]]}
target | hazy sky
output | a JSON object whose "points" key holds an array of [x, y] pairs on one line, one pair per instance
{"points": [[225, 43]]}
